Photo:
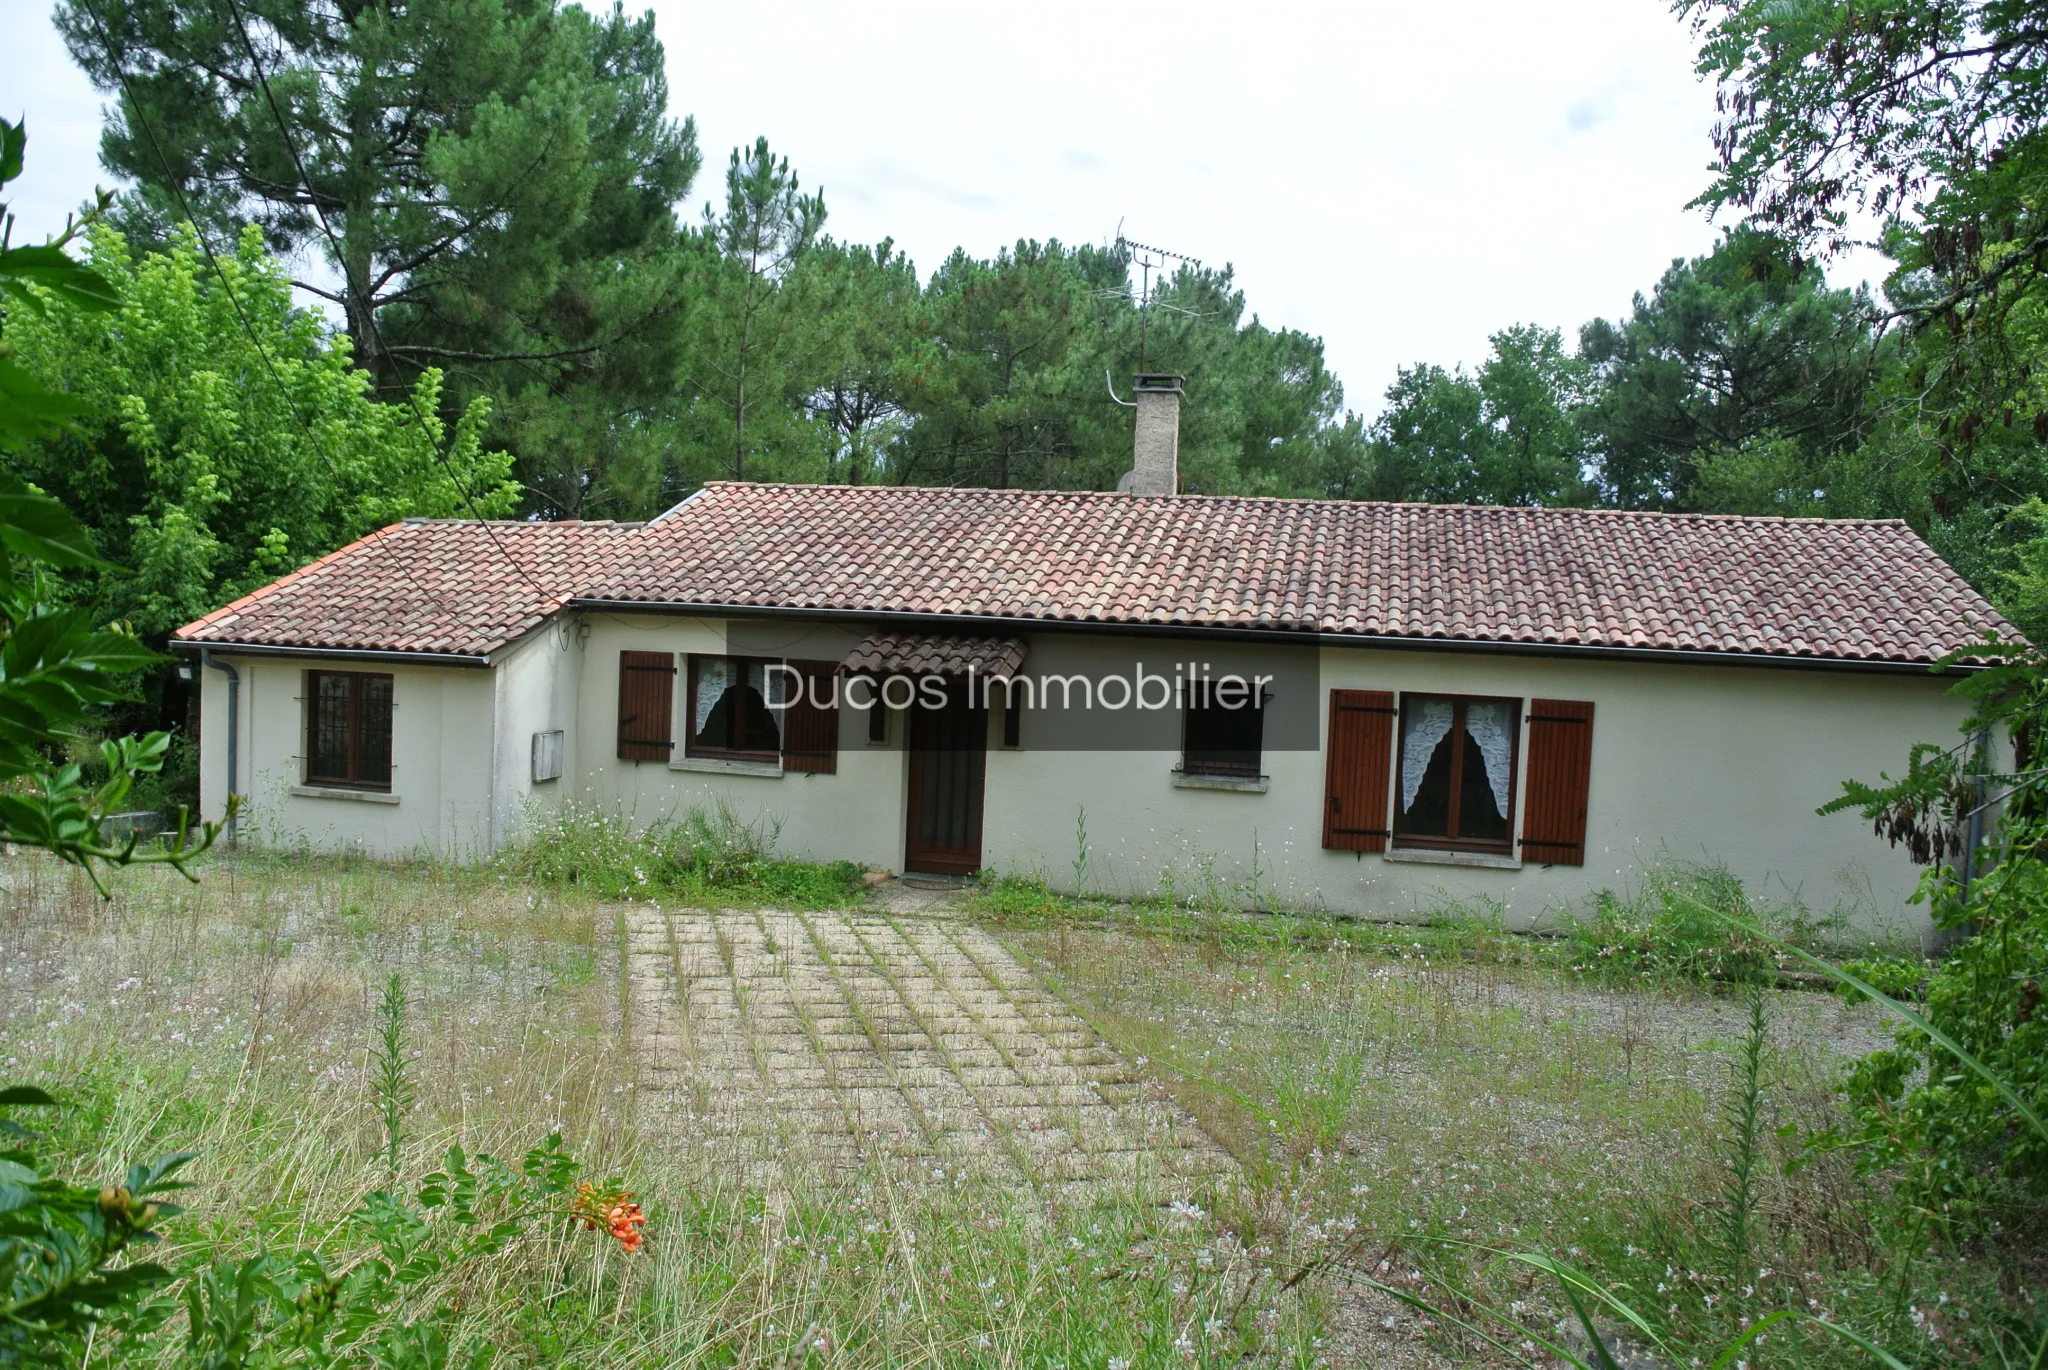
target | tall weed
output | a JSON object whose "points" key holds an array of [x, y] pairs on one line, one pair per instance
{"points": [[1744, 1113], [394, 1085], [1687, 921], [700, 854]]}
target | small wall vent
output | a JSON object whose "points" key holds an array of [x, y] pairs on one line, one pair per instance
{"points": [[547, 756]]}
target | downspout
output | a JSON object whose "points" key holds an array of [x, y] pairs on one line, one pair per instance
{"points": [[1975, 839], [234, 728], [1979, 755], [491, 786]]}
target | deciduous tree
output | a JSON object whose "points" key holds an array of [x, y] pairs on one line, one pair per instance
{"points": [[1508, 434], [224, 437]]}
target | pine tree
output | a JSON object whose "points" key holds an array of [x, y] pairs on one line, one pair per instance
{"points": [[875, 342], [749, 334], [491, 183]]}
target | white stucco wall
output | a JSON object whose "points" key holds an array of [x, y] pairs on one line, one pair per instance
{"points": [[1694, 763], [534, 689], [441, 756], [854, 815], [1690, 763]]}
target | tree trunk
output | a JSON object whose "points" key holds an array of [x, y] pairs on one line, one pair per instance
{"points": [[739, 408], [357, 245]]}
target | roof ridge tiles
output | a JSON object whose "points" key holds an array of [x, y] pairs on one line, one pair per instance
{"points": [[1122, 499], [515, 523]]}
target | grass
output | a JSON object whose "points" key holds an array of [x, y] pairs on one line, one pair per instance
{"points": [[1408, 1109], [1476, 934], [696, 857], [1678, 925], [251, 1019], [1390, 1093]]}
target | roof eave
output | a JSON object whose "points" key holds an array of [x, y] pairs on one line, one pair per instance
{"points": [[384, 654], [1298, 637]]}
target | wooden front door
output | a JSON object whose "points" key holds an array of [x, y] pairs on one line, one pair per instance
{"points": [[948, 754]]}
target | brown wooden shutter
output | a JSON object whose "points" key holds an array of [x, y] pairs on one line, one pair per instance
{"points": [[1560, 776], [647, 689], [810, 733], [1361, 750]]}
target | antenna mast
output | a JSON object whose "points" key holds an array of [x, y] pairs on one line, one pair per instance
{"points": [[1146, 257]]}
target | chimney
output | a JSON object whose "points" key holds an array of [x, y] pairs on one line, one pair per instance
{"points": [[1155, 469]]}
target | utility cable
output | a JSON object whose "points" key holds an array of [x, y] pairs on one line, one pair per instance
{"points": [[220, 273], [369, 314]]}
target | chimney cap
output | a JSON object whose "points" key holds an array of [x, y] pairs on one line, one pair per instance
{"points": [[1161, 382]]}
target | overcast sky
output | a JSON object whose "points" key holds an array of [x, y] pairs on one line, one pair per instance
{"points": [[1399, 179]]}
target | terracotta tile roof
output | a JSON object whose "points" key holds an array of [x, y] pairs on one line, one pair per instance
{"points": [[997, 658], [1856, 590], [1860, 590], [453, 586]]}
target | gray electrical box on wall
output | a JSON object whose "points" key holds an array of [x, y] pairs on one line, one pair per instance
{"points": [[547, 755]]}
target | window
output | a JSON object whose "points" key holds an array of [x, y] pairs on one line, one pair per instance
{"points": [[1457, 788], [1222, 728], [348, 729], [878, 714], [735, 708]]}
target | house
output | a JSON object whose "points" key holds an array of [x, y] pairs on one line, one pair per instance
{"points": [[1369, 708]]}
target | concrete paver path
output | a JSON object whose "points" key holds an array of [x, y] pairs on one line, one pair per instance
{"points": [[836, 1039]]}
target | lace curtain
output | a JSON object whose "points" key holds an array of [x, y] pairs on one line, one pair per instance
{"points": [[1490, 724], [767, 684], [715, 675], [1428, 723]]}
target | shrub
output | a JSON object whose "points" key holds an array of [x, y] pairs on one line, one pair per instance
{"points": [[1686, 921], [62, 1245], [174, 787], [697, 855], [1959, 1143], [1958, 1139], [68, 1276], [1896, 976], [382, 1305]]}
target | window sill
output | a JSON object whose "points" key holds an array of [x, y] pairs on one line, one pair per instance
{"points": [[337, 792], [718, 765], [1426, 856], [1248, 784]]}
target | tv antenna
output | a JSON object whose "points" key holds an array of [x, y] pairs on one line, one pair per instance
{"points": [[1148, 258]]}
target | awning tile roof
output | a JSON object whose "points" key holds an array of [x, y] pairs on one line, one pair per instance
{"points": [[996, 658]]}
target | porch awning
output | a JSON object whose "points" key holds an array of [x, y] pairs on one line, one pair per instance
{"points": [[993, 658]]}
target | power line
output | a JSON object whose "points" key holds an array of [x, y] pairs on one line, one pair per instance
{"points": [[227, 288], [369, 315]]}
